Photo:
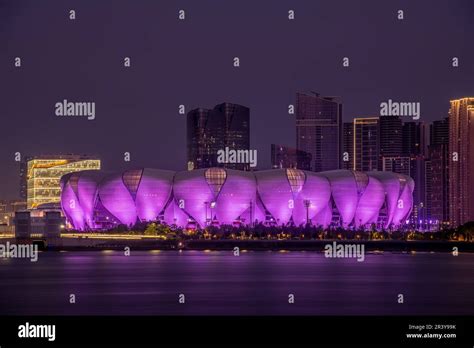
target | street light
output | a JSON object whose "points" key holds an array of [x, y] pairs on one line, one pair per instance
{"points": [[307, 204], [206, 203], [213, 205]]}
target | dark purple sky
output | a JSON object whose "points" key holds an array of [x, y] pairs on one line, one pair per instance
{"points": [[190, 62]]}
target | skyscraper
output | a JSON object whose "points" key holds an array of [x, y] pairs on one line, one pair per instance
{"points": [[438, 197], [414, 139], [319, 129], [288, 157], [41, 175], [461, 161], [390, 137], [439, 132], [208, 131], [366, 143], [348, 146], [414, 136]]}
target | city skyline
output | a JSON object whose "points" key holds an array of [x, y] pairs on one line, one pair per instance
{"points": [[381, 143], [427, 135]]}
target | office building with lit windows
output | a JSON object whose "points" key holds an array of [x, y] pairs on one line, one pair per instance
{"points": [[398, 164], [43, 173], [366, 144], [391, 144], [227, 125], [319, 130], [347, 146], [437, 180], [461, 161], [414, 146], [289, 157]]}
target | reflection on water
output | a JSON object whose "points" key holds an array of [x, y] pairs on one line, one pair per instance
{"points": [[218, 283]]}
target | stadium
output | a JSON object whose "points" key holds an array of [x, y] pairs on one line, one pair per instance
{"points": [[96, 200]]}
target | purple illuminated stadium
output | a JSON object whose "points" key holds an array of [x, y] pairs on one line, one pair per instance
{"points": [[94, 200]]}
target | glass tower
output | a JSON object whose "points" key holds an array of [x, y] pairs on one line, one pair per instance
{"points": [[319, 130]]}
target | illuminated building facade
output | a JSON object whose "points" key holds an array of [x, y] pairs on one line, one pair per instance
{"points": [[461, 161], [438, 195], [218, 196], [43, 173], [8, 210]]}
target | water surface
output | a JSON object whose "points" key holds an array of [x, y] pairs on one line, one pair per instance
{"points": [[218, 283]]}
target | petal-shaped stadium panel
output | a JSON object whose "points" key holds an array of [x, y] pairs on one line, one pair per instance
{"points": [[174, 215], [70, 202], [405, 200], [370, 203], [276, 194], [345, 193], [260, 212], [236, 199], [391, 185], [88, 189], [312, 199], [194, 195], [324, 217], [117, 199], [153, 192]]}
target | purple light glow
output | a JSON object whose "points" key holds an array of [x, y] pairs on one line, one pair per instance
{"points": [[230, 195]]}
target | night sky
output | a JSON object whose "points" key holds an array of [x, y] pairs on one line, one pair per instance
{"points": [[190, 62]]}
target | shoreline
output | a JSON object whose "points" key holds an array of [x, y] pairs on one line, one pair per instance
{"points": [[84, 244]]}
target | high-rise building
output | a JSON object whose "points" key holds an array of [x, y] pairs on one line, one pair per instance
{"points": [[429, 192], [414, 146], [366, 143], [438, 179], [208, 131], [390, 136], [348, 146], [319, 129], [461, 161], [288, 157], [414, 139], [439, 132], [390, 141], [43, 173]]}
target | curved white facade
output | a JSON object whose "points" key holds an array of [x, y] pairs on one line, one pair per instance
{"points": [[223, 196]]}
